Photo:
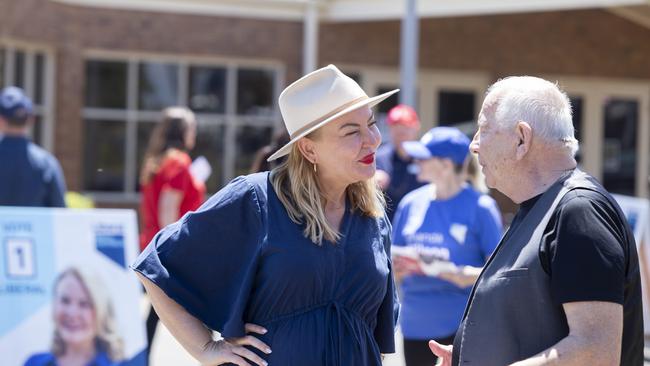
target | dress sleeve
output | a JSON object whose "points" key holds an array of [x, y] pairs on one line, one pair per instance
{"points": [[206, 261], [389, 309], [177, 176]]}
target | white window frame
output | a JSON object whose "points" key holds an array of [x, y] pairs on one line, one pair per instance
{"points": [[230, 119], [45, 110], [594, 93]]}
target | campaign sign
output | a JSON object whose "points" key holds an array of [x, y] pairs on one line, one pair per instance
{"points": [[637, 212], [65, 287]]}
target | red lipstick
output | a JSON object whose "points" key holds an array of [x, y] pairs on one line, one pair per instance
{"points": [[368, 159]]}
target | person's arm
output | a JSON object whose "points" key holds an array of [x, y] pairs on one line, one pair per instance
{"points": [[442, 351], [169, 205], [56, 186], [461, 276], [587, 269], [196, 338], [595, 336], [488, 220]]}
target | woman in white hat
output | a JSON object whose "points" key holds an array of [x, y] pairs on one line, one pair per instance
{"points": [[291, 267]]}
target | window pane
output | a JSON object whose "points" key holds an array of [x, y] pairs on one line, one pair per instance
{"points": [[207, 89], [576, 107], [209, 143], [106, 84], [158, 85], [249, 140], [455, 108], [104, 155], [388, 103], [19, 69], [39, 78], [255, 92], [145, 128], [619, 147]]}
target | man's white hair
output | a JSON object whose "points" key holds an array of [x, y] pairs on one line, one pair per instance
{"points": [[540, 103]]}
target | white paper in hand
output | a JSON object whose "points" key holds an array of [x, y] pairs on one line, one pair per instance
{"points": [[436, 267], [201, 169], [404, 251]]}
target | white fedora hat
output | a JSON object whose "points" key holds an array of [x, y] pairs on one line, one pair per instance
{"points": [[318, 98]]}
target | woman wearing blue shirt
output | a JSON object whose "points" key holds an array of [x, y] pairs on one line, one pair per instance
{"points": [[446, 231], [292, 267]]}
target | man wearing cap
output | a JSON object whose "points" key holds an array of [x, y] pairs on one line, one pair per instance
{"points": [[563, 286], [29, 175], [392, 161], [443, 233]]}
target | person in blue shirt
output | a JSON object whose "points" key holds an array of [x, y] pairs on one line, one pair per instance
{"points": [[292, 267], [445, 231], [392, 160], [29, 175]]}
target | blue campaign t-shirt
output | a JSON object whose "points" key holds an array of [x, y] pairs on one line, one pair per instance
{"points": [[464, 229]]}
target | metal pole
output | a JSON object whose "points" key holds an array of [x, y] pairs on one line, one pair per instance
{"points": [[409, 54], [310, 37]]}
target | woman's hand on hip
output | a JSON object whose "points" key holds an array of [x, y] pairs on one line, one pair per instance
{"points": [[233, 350]]}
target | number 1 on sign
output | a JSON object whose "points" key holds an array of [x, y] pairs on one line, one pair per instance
{"points": [[20, 257]]}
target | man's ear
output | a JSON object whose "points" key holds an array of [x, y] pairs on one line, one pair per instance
{"points": [[307, 148], [524, 135]]}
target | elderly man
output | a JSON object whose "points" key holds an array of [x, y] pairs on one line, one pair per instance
{"points": [[563, 286]]}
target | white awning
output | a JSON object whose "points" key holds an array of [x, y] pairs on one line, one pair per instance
{"points": [[351, 10]]}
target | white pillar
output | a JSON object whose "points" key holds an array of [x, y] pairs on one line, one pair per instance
{"points": [[409, 54], [310, 37]]}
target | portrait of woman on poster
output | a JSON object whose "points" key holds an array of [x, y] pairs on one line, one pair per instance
{"points": [[291, 266], [84, 327]]}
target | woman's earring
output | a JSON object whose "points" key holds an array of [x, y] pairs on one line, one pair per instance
{"points": [[315, 168]]}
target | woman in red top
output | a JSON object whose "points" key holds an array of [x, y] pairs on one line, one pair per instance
{"points": [[168, 188]]}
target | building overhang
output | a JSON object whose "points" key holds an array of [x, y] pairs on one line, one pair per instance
{"points": [[356, 10]]}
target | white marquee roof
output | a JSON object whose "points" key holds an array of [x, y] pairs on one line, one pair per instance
{"points": [[354, 10]]}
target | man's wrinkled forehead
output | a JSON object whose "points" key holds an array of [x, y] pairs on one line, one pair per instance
{"points": [[490, 104]]}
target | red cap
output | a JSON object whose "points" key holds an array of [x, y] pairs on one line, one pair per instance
{"points": [[404, 115]]}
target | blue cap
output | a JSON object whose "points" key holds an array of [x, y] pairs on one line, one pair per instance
{"points": [[440, 142], [14, 104]]}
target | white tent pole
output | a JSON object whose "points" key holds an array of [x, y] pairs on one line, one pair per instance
{"points": [[310, 37], [409, 54]]}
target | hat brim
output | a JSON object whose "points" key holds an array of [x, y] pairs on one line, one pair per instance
{"points": [[370, 102], [416, 150]]}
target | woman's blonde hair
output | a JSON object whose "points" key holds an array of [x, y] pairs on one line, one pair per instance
{"points": [[167, 136], [298, 188], [107, 339]]}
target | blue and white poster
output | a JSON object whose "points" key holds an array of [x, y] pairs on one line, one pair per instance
{"points": [[66, 292], [637, 212]]}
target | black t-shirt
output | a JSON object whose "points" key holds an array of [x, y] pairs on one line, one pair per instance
{"points": [[588, 251]]}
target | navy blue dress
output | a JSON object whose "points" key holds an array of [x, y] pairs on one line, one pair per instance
{"points": [[240, 259]]}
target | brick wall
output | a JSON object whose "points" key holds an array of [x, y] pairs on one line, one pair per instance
{"points": [[579, 43], [72, 30]]}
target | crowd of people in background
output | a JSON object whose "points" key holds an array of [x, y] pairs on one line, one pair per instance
{"points": [[430, 192]]}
